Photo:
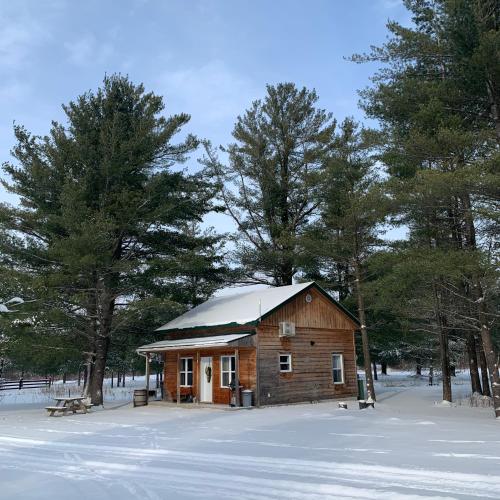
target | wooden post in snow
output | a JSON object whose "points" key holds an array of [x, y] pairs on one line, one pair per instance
{"points": [[147, 377], [237, 377], [198, 377], [178, 379]]}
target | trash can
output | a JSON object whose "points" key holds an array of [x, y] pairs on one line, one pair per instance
{"points": [[140, 397], [361, 388], [247, 395], [158, 395]]}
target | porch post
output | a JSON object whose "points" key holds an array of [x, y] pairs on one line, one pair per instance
{"points": [[178, 379], [198, 377], [147, 378], [257, 371], [237, 376]]}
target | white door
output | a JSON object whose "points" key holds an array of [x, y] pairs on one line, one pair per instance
{"points": [[206, 378]]}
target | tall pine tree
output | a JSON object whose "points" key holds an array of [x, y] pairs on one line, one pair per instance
{"points": [[104, 211], [271, 182]]}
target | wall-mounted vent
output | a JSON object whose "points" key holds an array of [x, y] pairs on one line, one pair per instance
{"points": [[287, 329]]}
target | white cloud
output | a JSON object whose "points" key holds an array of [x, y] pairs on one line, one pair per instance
{"points": [[212, 93], [87, 50], [19, 36]]}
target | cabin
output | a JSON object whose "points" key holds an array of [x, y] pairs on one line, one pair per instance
{"points": [[286, 344]]}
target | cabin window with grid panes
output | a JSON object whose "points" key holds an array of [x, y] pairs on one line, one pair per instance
{"points": [[285, 363], [227, 370], [186, 372]]}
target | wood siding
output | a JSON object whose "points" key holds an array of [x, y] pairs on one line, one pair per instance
{"points": [[319, 313], [322, 329], [221, 395], [311, 378]]}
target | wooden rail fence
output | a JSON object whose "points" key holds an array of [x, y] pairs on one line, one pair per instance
{"points": [[8, 385]]}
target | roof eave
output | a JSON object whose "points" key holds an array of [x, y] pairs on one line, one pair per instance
{"points": [[205, 327]]}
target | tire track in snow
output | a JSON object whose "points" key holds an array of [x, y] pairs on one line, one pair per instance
{"points": [[175, 468]]}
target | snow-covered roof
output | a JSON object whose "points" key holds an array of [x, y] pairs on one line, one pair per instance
{"points": [[237, 309], [193, 343]]}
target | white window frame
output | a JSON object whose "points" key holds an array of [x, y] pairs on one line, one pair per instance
{"points": [[289, 362], [341, 356], [232, 373], [186, 371]]}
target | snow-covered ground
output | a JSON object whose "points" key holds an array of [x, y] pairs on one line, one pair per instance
{"points": [[71, 388], [408, 447]]}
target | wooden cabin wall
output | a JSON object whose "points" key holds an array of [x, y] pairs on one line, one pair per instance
{"points": [[319, 313], [221, 395], [311, 378], [321, 330]]}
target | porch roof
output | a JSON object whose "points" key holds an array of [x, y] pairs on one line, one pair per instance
{"points": [[193, 343]]}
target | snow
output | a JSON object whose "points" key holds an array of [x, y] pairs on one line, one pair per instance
{"points": [[239, 308], [46, 396], [408, 447]]}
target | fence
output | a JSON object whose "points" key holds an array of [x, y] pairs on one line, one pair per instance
{"points": [[7, 385]]}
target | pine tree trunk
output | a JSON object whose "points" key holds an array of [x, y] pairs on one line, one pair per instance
{"points": [[375, 374], [79, 377], [443, 347], [383, 367], [490, 354], [101, 341], [418, 370], [484, 371], [112, 380], [487, 341], [473, 366], [370, 389], [123, 379], [133, 374], [97, 379], [445, 364], [431, 375]]}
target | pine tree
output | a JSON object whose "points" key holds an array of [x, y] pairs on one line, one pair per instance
{"points": [[352, 210], [103, 212], [436, 100], [270, 184]]}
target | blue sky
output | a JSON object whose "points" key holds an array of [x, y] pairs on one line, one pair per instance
{"points": [[209, 58]]}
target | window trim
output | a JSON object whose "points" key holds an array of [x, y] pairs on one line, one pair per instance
{"points": [[226, 371], [186, 372], [289, 354], [342, 373]]}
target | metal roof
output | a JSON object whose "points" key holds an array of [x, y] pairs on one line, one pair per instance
{"points": [[246, 308], [238, 309], [193, 343]]}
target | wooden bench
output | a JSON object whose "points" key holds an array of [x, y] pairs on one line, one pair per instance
{"points": [[53, 409]]}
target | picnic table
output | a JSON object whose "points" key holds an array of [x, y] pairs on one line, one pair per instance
{"points": [[66, 404]]}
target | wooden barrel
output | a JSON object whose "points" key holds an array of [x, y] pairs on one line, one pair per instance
{"points": [[140, 397]]}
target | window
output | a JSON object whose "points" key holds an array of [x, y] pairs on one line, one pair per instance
{"points": [[227, 370], [186, 372], [338, 368], [285, 362]]}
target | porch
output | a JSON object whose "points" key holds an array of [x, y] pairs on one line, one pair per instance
{"points": [[206, 370]]}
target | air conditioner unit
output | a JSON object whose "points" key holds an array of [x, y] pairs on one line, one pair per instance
{"points": [[287, 329]]}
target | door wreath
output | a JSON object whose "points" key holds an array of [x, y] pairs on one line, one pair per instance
{"points": [[208, 373]]}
